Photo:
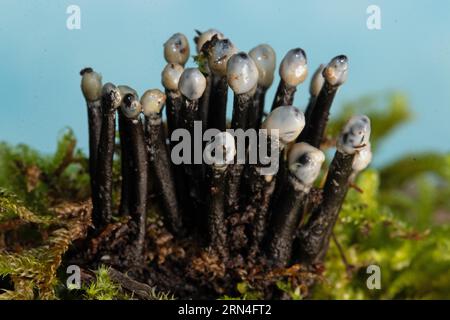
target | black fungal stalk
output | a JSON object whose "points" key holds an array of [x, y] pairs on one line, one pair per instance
{"points": [[152, 102], [315, 234], [265, 60], [132, 108], [110, 101], [304, 167], [218, 51], [91, 86], [335, 74], [242, 75], [170, 78], [192, 84], [219, 153], [293, 71]]}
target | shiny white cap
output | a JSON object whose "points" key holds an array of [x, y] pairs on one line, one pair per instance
{"points": [[242, 73], [192, 83], [288, 120], [220, 51], [91, 84], [294, 68], [265, 60], [305, 162], [206, 36], [362, 158], [170, 76], [152, 102], [176, 49], [220, 151], [355, 135], [335, 73]]}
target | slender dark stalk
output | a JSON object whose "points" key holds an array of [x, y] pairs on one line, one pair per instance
{"points": [[314, 237], [219, 153], [152, 103], [293, 71], [131, 108], [110, 102], [126, 166], [265, 59], [192, 86], [335, 74], [204, 102], [314, 90], [91, 86], [170, 78], [217, 117], [304, 167], [218, 51]]}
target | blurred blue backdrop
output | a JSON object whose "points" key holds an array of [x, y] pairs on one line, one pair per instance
{"points": [[40, 58]]}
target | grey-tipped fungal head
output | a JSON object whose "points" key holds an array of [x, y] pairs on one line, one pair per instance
{"points": [[355, 135], [192, 83], [317, 81], [288, 120], [206, 36], [170, 76], [219, 52], [362, 158], [152, 102], [335, 73], [130, 106], [91, 84], [176, 49], [294, 68], [265, 60], [112, 95], [304, 162], [220, 151], [242, 73]]}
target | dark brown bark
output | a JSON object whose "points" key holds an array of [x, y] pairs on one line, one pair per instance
{"points": [[217, 117]]}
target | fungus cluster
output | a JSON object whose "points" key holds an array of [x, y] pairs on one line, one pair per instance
{"points": [[226, 221]]}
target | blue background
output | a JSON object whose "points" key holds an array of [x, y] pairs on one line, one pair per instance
{"points": [[40, 58]]}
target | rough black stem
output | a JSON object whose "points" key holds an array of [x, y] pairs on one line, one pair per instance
{"points": [[159, 163], [284, 95], [174, 104], [216, 204], [317, 121], [105, 163], [217, 117], [140, 183], [126, 166], [257, 111], [285, 221], [315, 234]]}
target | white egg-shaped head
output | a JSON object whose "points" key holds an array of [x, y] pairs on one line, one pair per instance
{"points": [[219, 52], [152, 102], [265, 60], [362, 158], [111, 95], [288, 120], [242, 73], [220, 151], [317, 81], [294, 67], [192, 83], [176, 49], [335, 73], [305, 162], [170, 76], [204, 37], [91, 84], [355, 135], [130, 106]]}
